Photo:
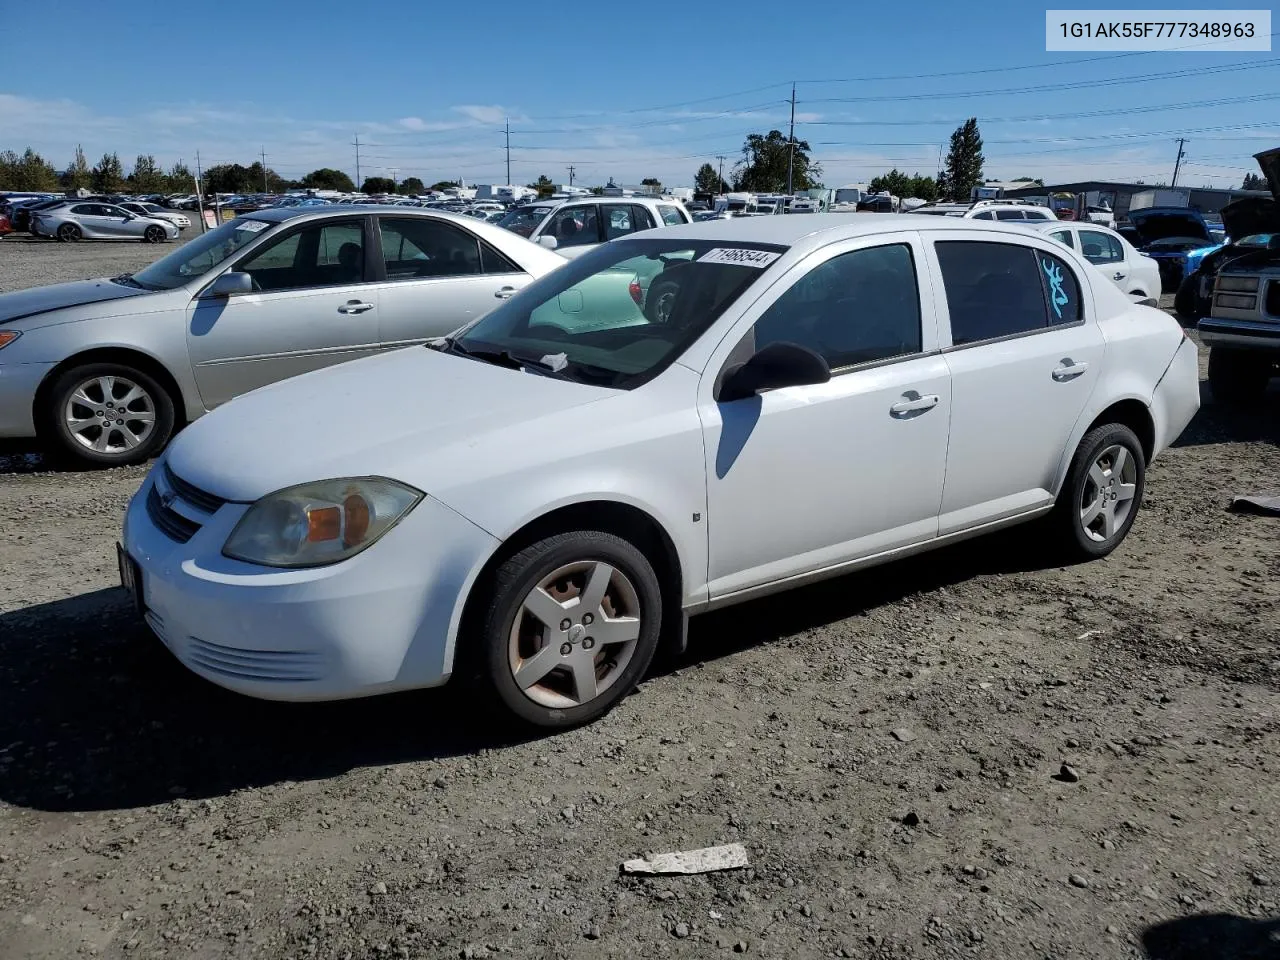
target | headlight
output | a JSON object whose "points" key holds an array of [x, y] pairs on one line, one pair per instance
{"points": [[1244, 284], [8, 336], [315, 524]]}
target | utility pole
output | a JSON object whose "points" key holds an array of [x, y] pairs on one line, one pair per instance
{"points": [[357, 145], [508, 151], [265, 189], [791, 140], [394, 171], [720, 175], [199, 196], [1178, 162], [571, 172]]}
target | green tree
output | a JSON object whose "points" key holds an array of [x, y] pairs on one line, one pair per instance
{"points": [[763, 167], [147, 176], [443, 185], [543, 185], [1036, 180], [27, 171], [1253, 181], [179, 179], [108, 175], [901, 185], [411, 186], [78, 176], [706, 180], [378, 185], [233, 178], [963, 168], [327, 178], [653, 182]]}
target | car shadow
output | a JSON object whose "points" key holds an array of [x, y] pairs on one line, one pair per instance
{"points": [[1217, 422], [1213, 936], [95, 714]]}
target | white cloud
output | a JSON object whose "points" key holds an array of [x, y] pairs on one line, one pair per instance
{"points": [[483, 114]]}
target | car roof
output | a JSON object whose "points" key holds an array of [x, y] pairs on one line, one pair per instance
{"points": [[790, 230]]}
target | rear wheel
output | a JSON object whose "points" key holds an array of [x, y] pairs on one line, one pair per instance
{"points": [[1102, 493], [570, 628], [107, 414], [1186, 300], [69, 233], [1238, 376], [154, 234]]}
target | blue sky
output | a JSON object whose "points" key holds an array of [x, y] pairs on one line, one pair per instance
{"points": [[618, 90]]}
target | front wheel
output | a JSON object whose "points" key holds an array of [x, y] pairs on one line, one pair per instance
{"points": [[1238, 377], [1100, 499], [107, 415], [570, 628]]}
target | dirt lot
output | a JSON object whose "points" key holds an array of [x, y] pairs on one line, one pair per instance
{"points": [[145, 813]]}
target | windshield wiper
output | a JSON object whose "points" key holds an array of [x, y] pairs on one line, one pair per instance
{"points": [[501, 358], [126, 280]]}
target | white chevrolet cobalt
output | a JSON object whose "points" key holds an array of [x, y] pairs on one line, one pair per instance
{"points": [[542, 499]]}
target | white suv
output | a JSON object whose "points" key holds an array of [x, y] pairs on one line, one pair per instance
{"points": [[576, 226], [1007, 210]]}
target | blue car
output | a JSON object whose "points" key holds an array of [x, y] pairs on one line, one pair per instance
{"points": [[1176, 238]]}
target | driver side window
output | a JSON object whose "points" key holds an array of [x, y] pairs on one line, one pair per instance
{"points": [[858, 307], [574, 226], [321, 255]]}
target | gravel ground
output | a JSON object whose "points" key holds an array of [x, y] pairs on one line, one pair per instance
{"points": [[888, 746]]}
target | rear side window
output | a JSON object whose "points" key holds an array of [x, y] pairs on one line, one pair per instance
{"points": [[671, 215], [1036, 215], [1062, 236], [1099, 247], [985, 215], [1010, 215], [1001, 289]]}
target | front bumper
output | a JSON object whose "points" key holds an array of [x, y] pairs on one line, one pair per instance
{"points": [[1245, 334], [18, 385], [382, 621]]}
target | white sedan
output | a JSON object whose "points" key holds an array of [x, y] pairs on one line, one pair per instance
{"points": [[1137, 275], [543, 498]]}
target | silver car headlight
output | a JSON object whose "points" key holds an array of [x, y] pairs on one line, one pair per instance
{"points": [[316, 524]]}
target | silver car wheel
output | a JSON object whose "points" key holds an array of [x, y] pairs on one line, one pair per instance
{"points": [[574, 634], [1109, 489], [110, 414]]}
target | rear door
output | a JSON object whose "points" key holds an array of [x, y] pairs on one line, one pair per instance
{"points": [[436, 275], [311, 307], [1024, 350]]}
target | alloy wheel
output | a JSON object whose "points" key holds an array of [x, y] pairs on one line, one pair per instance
{"points": [[574, 634], [111, 415], [1108, 496]]}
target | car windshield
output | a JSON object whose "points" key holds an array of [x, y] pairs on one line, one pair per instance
{"points": [[524, 220], [201, 255], [619, 315]]}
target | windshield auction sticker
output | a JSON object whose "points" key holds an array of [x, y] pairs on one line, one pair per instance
{"points": [[743, 258], [1209, 31]]}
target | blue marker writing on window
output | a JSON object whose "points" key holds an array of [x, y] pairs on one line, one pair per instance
{"points": [[1058, 296]]}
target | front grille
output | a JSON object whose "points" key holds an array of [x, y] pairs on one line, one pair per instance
{"points": [[1273, 299], [208, 502], [289, 666], [171, 523]]}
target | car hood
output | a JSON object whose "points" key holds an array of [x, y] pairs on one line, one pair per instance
{"points": [[1160, 223], [405, 415], [26, 303], [1250, 215], [1269, 163]]}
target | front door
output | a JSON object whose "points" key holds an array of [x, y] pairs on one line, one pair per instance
{"points": [[804, 478], [437, 276], [310, 308], [1024, 356]]}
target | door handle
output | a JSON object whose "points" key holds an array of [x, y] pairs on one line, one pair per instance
{"points": [[1117, 276], [355, 306], [913, 403], [1069, 370], [505, 293]]}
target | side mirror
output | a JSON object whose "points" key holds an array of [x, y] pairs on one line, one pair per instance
{"points": [[1274, 242], [229, 284], [777, 365], [548, 241]]}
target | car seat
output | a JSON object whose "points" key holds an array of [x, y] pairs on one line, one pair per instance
{"points": [[350, 257]]}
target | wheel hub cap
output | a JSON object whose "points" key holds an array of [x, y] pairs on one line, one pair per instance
{"points": [[1108, 496], [111, 415]]}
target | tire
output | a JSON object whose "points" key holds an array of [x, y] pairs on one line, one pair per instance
{"points": [[1080, 535], [154, 234], [124, 439], [511, 638], [657, 305], [1238, 377], [69, 233], [1186, 300]]}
